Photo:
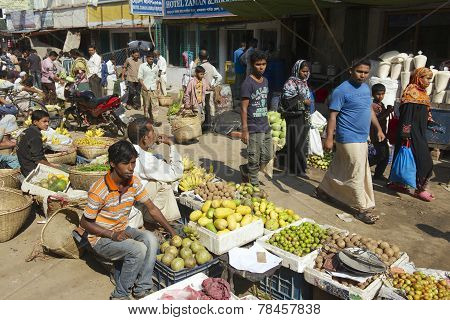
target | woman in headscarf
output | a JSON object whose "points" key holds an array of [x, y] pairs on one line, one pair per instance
{"points": [[297, 103], [415, 115]]}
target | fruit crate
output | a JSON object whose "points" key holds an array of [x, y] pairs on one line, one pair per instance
{"points": [[164, 276], [286, 284]]}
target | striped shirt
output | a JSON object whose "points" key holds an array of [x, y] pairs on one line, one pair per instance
{"points": [[110, 208]]}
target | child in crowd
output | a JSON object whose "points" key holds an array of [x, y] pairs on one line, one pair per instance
{"points": [[194, 96], [30, 149], [381, 158], [256, 133]]}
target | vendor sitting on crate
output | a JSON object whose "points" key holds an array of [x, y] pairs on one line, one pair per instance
{"points": [[106, 219], [30, 149], [158, 175]]}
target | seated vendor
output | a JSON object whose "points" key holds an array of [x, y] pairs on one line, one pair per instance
{"points": [[106, 220], [30, 149], [7, 126], [157, 174]]}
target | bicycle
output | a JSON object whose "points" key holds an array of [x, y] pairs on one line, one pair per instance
{"points": [[24, 104]]}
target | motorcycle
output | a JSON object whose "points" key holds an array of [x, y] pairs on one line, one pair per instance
{"points": [[86, 110]]}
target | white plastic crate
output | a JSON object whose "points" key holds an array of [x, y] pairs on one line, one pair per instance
{"points": [[220, 244], [292, 261], [29, 185]]}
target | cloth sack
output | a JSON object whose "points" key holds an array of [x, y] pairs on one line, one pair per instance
{"points": [[404, 168], [315, 142]]}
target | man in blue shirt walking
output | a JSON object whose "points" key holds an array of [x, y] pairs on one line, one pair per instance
{"points": [[349, 180], [239, 70]]}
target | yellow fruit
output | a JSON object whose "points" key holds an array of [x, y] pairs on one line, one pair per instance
{"points": [[222, 213], [206, 205], [273, 215], [231, 222], [255, 218], [203, 221], [216, 204], [290, 211], [246, 220], [279, 210], [263, 207], [195, 215], [222, 231], [238, 216], [229, 204], [220, 224], [243, 210]]}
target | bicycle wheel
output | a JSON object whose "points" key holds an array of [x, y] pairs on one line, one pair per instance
{"points": [[26, 104]]}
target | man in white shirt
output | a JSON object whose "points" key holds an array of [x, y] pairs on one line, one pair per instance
{"points": [[162, 65], [158, 176], [95, 71], [111, 78], [148, 77]]}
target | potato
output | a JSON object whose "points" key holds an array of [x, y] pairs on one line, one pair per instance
{"points": [[389, 252]]}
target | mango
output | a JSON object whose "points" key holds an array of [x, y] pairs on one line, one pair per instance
{"points": [[222, 213], [216, 203], [210, 226], [220, 224], [246, 220], [231, 222], [222, 232], [262, 207], [229, 204], [210, 213], [203, 221], [243, 210], [195, 215], [206, 205], [238, 216]]}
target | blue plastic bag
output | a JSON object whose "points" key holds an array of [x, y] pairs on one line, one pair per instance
{"points": [[404, 168]]}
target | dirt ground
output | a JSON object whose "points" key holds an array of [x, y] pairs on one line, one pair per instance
{"points": [[421, 229]]}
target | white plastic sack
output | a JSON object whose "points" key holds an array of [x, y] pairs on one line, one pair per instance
{"points": [[60, 91], [136, 218], [123, 88], [315, 143], [318, 121]]}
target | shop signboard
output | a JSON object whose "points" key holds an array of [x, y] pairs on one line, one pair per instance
{"points": [[146, 7], [194, 9]]}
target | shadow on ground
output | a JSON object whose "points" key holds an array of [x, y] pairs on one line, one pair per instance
{"points": [[432, 231]]}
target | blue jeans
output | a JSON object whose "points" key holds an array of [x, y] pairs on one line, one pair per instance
{"points": [[134, 260], [9, 161], [36, 79]]}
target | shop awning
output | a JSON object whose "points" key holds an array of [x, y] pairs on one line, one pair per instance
{"points": [[270, 8], [114, 15]]}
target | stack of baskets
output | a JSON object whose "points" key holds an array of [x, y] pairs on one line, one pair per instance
{"points": [[82, 180], [186, 128], [14, 211], [92, 152], [9, 178], [68, 156]]}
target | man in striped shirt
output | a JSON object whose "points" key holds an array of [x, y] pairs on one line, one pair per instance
{"points": [[106, 220]]}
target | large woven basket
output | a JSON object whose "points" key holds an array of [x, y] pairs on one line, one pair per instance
{"points": [[186, 128], [92, 152], [64, 157], [165, 101], [81, 180], [14, 211], [56, 236], [9, 178]]}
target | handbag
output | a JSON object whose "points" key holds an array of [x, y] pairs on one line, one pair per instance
{"points": [[392, 130], [404, 168]]}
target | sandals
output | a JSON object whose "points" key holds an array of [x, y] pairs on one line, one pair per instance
{"points": [[367, 217], [424, 195]]}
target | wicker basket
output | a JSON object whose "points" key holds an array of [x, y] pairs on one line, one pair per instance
{"points": [[56, 236], [186, 128], [14, 211], [92, 152], [81, 180], [64, 157], [9, 178], [165, 101]]}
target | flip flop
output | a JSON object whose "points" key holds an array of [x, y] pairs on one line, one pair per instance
{"points": [[367, 217], [424, 195]]}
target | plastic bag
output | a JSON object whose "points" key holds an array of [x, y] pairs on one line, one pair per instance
{"points": [[315, 142], [318, 121], [404, 168], [60, 91]]}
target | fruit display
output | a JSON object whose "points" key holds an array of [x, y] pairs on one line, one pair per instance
{"points": [[248, 191], [89, 141], [191, 233], [93, 167], [95, 133], [222, 216], [273, 217], [216, 191], [320, 162], [178, 253], [278, 127], [299, 240], [194, 176], [338, 241], [54, 182], [62, 131], [28, 122], [419, 286]]}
